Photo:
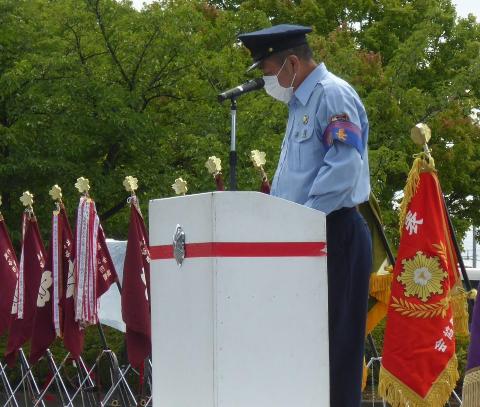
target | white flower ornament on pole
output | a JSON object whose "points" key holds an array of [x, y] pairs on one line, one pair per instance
{"points": [[180, 186]]}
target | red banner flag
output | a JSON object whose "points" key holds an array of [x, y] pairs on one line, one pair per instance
{"points": [[85, 263], [136, 289], [265, 187], [106, 273], [94, 271], [219, 182], [47, 318], [8, 276], [32, 266], [73, 334], [419, 366]]}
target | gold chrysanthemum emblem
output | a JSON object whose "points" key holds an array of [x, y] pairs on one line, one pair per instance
{"points": [[422, 276]]}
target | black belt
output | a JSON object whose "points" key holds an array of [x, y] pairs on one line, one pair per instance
{"points": [[342, 212]]}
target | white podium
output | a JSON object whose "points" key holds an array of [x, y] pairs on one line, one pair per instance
{"points": [[243, 322]]}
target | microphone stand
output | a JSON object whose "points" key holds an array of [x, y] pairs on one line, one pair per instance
{"points": [[232, 94], [233, 140]]}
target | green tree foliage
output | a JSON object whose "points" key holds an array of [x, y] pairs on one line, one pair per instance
{"points": [[95, 88]]}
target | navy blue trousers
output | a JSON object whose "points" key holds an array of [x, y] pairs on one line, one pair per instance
{"points": [[349, 263]]}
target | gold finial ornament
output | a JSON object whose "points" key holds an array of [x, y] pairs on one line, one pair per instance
{"points": [[131, 184], [180, 186], [214, 165], [259, 160], [83, 185], [27, 199], [56, 193], [421, 134]]}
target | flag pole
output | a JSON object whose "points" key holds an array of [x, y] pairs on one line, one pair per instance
{"points": [[383, 236]]}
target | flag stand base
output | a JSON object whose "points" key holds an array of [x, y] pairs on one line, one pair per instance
{"points": [[12, 401]]}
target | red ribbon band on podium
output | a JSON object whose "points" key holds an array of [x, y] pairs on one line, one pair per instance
{"points": [[243, 249]]}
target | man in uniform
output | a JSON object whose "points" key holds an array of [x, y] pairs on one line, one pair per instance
{"points": [[324, 165]]}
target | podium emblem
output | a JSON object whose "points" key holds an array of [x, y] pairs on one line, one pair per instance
{"points": [[179, 245]]}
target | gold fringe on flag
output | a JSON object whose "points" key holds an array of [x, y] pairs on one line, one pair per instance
{"points": [[422, 163], [380, 285], [471, 388], [380, 290], [459, 305], [400, 395]]}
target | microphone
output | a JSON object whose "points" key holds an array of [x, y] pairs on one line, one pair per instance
{"points": [[253, 84]]}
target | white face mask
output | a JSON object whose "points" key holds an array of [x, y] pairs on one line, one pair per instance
{"points": [[277, 91]]}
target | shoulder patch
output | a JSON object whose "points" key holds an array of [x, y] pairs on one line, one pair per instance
{"points": [[345, 132], [343, 117]]}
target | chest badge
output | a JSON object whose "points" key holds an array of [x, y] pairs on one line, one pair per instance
{"points": [[305, 119]]}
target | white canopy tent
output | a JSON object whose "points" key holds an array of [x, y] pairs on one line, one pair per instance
{"points": [[110, 302]]}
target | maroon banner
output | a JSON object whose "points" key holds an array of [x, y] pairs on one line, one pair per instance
{"points": [[265, 187], [219, 182], [8, 276], [24, 304], [73, 332], [94, 271], [106, 274], [136, 290], [73, 335], [44, 332]]}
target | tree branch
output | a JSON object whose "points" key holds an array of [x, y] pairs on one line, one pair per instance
{"points": [[159, 74], [111, 158], [111, 50], [142, 55], [146, 100], [113, 210]]}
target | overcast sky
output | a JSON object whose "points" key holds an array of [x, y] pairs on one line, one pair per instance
{"points": [[464, 7]]}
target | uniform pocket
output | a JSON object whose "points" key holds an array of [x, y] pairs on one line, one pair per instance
{"points": [[304, 147]]}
